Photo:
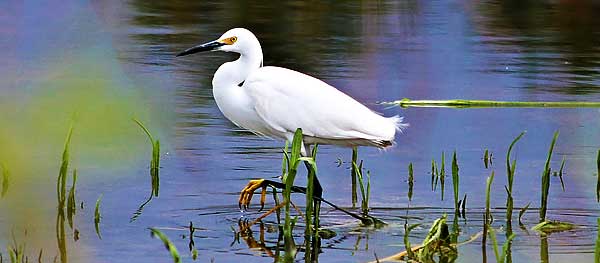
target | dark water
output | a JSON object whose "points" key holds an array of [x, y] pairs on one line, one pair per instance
{"points": [[110, 62]]}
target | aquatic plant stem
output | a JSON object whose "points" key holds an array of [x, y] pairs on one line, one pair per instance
{"points": [[546, 180], [405, 103], [353, 175]]}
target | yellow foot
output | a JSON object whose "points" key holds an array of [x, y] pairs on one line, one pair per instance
{"points": [[248, 192]]}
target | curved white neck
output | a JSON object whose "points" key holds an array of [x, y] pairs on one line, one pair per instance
{"points": [[235, 72], [233, 100]]}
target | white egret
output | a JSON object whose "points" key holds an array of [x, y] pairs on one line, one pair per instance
{"points": [[274, 102]]}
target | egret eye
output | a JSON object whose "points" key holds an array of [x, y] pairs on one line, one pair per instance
{"points": [[233, 39]]}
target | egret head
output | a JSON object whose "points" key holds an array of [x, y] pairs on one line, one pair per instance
{"points": [[239, 40]]}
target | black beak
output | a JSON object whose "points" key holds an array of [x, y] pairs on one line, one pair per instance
{"points": [[200, 48]]}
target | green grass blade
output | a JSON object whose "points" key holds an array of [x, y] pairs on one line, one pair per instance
{"points": [[488, 188], [61, 185], [463, 207], [432, 174], [546, 180], [443, 174], [289, 245], [353, 175], [510, 175], [407, 246], [405, 103], [168, 244], [411, 179], [455, 181], [5, 180], [145, 130], [492, 234], [97, 217], [597, 250], [71, 203], [522, 212], [486, 158]]}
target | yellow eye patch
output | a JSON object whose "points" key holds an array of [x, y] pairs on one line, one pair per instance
{"points": [[228, 41]]}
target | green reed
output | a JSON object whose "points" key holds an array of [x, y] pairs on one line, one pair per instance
{"points": [[442, 174], [510, 175], [405, 103], [455, 182], [353, 176], [5, 180], [500, 258], [411, 182], [486, 158], [409, 253], [463, 206], [71, 203], [365, 190], [546, 180], [433, 174], [311, 231], [155, 162], [522, 212], [17, 252], [291, 162], [61, 196], [97, 217], [487, 215], [597, 250], [168, 244]]}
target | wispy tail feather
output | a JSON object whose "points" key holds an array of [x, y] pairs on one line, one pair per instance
{"points": [[397, 120]]}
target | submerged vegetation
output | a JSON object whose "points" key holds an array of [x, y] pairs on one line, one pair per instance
{"points": [[154, 171], [365, 188], [61, 192], [439, 245]]}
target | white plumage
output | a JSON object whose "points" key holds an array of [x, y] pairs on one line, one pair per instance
{"points": [[274, 101]]}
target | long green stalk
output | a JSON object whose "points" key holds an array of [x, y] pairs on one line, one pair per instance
{"points": [[311, 230], [443, 174], [61, 196], [510, 175], [405, 103], [546, 180], [500, 258], [597, 250], [364, 190], [353, 175], [411, 180], [487, 215], [455, 182], [288, 179], [155, 162]]}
